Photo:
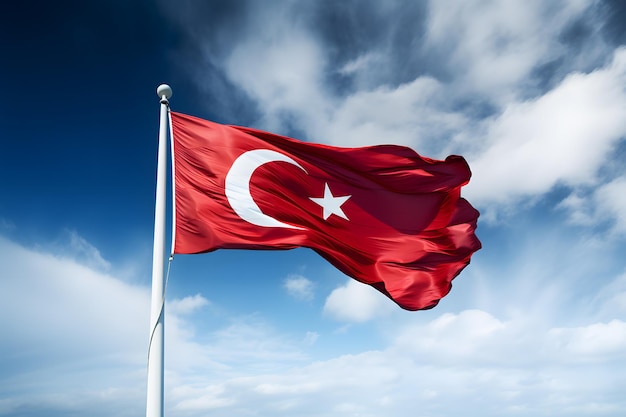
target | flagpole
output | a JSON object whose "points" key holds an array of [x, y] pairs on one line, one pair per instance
{"points": [[154, 404]]}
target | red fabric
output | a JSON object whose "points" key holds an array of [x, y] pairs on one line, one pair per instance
{"points": [[408, 233]]}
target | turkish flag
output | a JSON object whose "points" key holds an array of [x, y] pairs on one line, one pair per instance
{"points": [[383, 215]]}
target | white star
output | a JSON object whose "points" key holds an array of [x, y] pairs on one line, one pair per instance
{"points": [[331, 204]]}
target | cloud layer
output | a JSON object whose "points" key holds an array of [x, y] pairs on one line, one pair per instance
{"points": [[523, 350]]}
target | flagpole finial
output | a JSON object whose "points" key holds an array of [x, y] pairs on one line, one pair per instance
{"points": [[164, 92]]}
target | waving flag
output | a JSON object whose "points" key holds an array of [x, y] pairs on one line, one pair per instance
{"points": [[383, 215]]}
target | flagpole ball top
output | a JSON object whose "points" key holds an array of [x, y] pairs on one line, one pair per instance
{"points": [[164, 90]]}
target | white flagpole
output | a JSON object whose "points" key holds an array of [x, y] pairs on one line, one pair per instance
{"points": [[154, 406]]}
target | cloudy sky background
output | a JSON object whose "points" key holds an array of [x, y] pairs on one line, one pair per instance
{"points": [[532, 93]]}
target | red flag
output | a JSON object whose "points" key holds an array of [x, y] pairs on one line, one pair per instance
{"points": [[383, 215]]}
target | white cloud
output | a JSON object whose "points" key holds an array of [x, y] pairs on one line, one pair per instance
{"points": [[356, 302], [602, 205], [495, 46], [360, 64], [58, 306], [477, 337], [310, 338], [66, 320], [81, 249], [473, 359], [518, 360], [610, 199], [186, 305], [611, 298], [598, 341], [578, 207], [203, 399], [299, 287], [410, 114], [238, 343], [280, 66], [440, 338], [561, 137]]}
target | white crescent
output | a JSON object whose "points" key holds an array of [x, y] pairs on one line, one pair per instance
{"points": [[238, 186]]}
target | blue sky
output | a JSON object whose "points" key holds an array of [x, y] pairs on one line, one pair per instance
{"points": [[532, 93]]}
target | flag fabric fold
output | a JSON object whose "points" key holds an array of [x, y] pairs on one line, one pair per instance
{"points": [[383, 215]]}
